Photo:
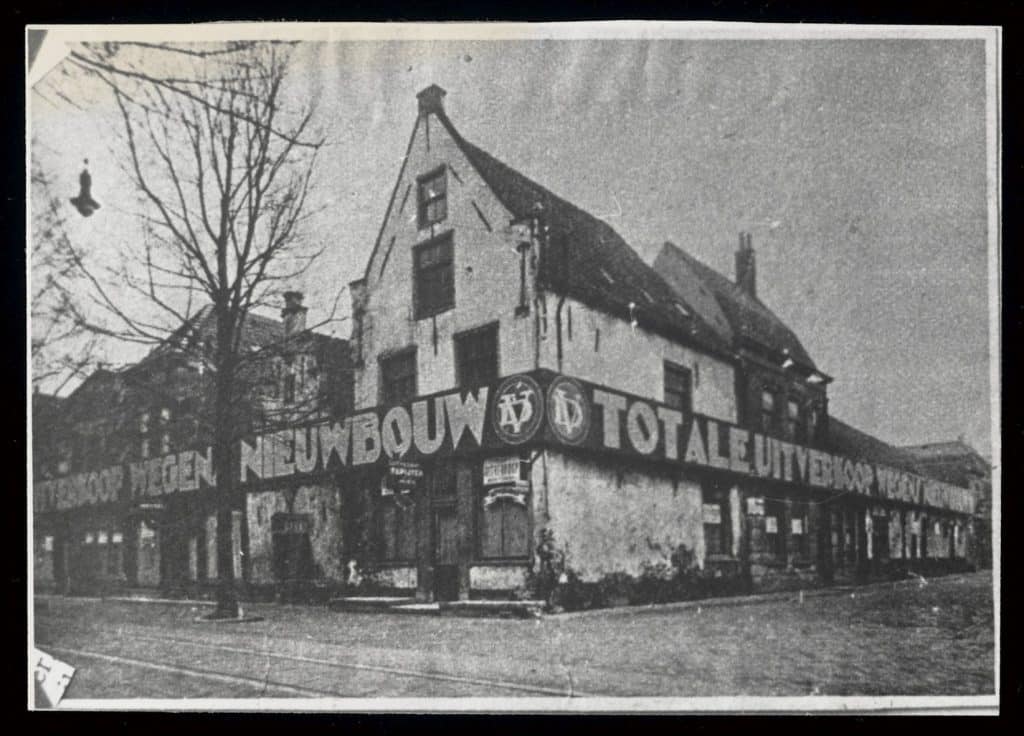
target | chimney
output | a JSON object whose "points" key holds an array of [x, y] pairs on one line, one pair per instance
{"points": [[746, 268], [430, 100], [293, 314]]}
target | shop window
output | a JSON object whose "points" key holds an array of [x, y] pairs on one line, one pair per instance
{"points": [[397, 530], [504, 527], [476, 356], [774, 534], [434, 285], [798, 530], [678, 387], [715, 513], [398, 377], [767, 411], [432, 197]]}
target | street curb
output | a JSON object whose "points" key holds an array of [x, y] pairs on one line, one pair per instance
{"points": [[735, 601]]}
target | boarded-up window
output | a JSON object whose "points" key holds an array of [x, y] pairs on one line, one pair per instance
{"points": [[504, 528]]}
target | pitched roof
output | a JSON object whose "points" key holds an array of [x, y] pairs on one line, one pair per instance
{"points": [[847, 440], [748, 317], [588, 260]]}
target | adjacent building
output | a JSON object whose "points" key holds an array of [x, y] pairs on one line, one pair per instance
{"points": [[125, 492]]}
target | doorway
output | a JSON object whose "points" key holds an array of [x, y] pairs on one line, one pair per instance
{"points": [[445, 553]]}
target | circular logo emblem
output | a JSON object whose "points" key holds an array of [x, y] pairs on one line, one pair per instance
{"points": [[568, 410], [518, 409]]}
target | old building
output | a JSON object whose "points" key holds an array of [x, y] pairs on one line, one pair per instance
{"points": [[131, 499], [619, 413]]}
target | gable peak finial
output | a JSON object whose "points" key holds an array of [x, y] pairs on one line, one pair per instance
{"points": [[430, 99]]}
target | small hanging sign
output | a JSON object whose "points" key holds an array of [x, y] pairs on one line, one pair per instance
{"points": [[755, 506], [771, 525], [403, 476], [501, 470], [797, 526]]}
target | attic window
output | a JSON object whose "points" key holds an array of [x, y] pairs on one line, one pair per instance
{"points": [[432, 197], [607, 276], [681, 309]]}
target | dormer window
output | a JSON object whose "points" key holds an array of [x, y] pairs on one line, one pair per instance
{"points": [[432, 198]]}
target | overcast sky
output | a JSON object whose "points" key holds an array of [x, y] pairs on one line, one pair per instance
{"points": [[858, 165]]}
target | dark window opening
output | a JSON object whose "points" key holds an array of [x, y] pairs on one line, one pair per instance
{"points": [[434, 287], [432, 195], [398, 377], [792, 419], [476, 356], [767, 411], [678, 387]]}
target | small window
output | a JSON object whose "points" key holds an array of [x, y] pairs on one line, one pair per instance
{"points": [[607, 276], [767, 411], [165, 415], [476, 356], [398, 377], [504, 528], [681, 309], [144, 422], [144, 448], [434, 286], [165, 443], [647, 295], [792, 418], [289, 385], [813, 420], [678, 387], [432, 191]]}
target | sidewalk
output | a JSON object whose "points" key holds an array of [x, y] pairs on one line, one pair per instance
{"points": [[530, 609], [747, 600]]}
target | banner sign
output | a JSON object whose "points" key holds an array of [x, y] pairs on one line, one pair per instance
{"points": [[515, 493], [539, 407], [631, 425]]}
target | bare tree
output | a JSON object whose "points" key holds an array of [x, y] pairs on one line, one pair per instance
{"points": [[222, 168]]}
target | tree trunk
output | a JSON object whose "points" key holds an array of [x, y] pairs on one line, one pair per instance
{"points": [[224, 466]]}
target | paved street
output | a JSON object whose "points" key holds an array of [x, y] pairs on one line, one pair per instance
{"points": [[903, 639]]}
